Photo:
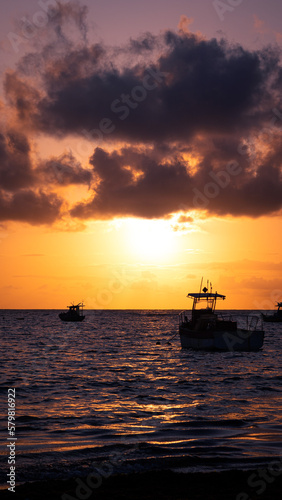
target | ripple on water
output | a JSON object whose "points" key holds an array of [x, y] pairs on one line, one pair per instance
{"points": [[103, 386]]}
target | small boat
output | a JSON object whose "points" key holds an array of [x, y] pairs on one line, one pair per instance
{"points": [[206, 330], [73, 314], [275, 317]]}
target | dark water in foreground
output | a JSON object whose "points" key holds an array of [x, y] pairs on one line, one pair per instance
{"points": [[102, 391]]}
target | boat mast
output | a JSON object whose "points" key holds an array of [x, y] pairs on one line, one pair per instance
{"points": [[201, 285], [195, 299]]}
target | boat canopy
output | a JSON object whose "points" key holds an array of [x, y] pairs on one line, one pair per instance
{"points": [[207, 296]]}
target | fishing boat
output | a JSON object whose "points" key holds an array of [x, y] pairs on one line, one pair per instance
{"points": [[204, 329], [73, 314], [275, 317]]}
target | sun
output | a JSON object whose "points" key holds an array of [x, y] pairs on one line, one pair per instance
{"points": [[151, 240]]}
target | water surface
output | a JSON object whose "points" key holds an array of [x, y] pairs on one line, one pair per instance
{"points": [[103, 391]]}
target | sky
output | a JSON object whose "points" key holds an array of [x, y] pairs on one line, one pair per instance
{"points": [[140, 150]]}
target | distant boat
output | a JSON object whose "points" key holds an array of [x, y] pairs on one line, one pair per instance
{"points": [[276, 317], [206, 330], [73, 314]]}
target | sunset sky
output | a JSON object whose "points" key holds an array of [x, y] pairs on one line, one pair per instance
{"points": [[140, 150]]}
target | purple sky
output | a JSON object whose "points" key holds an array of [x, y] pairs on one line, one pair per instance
{"points": [[116, 21]]}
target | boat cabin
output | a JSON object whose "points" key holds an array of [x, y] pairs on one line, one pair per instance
{"points": [[207, 298], [204, 303], [203, 313]]}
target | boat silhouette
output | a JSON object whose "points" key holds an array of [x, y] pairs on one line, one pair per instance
{"points": [[275, 317], [73, 314], [207, 330]]}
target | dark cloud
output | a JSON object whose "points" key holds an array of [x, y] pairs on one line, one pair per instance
{"points": [[194, 86], [26, 188], [144, 43], [146, 189], [31, 207], [26, 182], [15, 163], [22, 97], [152, 187], [64, 170]]}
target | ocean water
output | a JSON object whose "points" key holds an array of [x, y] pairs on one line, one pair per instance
{"points": [[104, 394]]}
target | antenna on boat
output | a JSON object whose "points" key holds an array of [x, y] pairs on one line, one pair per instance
{"points": [[201, 285]]}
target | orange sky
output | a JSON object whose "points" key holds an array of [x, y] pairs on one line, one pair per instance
{"points": [[141, 264], [131, 168]]}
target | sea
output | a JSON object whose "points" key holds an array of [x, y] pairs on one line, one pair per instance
{"points": [[117, 394]]}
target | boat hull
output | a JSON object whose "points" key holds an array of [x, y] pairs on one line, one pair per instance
{"points": [[238, 340], [272, 318], [68, 317]]}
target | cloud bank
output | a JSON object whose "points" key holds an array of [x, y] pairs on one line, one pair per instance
{"points": [[176, 122]]}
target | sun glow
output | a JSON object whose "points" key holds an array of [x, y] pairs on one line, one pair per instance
{"points": [[151, 240]]}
